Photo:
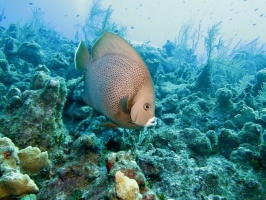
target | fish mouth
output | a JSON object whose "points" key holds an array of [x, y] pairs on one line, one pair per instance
{"points": [[151, 122]]}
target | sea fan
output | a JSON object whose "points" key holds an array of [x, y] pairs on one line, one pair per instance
{"points": [[243, 82], [99, 20], [262, 95]]}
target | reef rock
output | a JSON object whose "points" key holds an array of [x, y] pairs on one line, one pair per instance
{"points": [[37, 120], [261, 79], [250, 133], [31, 52]]}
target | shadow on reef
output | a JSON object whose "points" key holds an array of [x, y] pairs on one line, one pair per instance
{"points": [[210, 141]]}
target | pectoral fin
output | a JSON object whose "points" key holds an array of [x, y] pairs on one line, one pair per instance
{"points": [[124, 104]]}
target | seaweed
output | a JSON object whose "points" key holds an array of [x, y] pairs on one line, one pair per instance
{"points": [[243, 83], [213, 42], [99, 19], [186, 44], [31, 28], [232, 65]]}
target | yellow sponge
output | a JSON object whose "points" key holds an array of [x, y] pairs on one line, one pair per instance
{"points": [[32, 160], [126, 188], [16, 184]]}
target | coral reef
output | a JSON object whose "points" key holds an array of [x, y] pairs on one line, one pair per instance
{"points": [[210, 141], [33, 117], [31, 52]]}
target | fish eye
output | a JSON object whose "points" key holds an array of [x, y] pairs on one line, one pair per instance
{"points": [[146, 106]]}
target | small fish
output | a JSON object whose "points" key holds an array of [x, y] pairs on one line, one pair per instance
{"points": [[117, 82], [2, 15]]}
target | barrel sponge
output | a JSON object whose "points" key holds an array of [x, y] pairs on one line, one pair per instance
{"points": [[15, 184], [32, 160], [126, 188]]}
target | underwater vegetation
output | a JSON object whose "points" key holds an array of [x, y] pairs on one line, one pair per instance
{"points": [[209, 141]]}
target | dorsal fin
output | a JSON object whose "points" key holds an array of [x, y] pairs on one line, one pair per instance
{"points": [[82, 56], [111, 43]]}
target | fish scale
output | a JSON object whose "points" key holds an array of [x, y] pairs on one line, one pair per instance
{"points": [[109, 92], [117, 82]]}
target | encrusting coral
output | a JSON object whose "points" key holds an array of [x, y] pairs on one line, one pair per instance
{"points": [[15, 184], [9, 160], [39, 112], [32, 160], [12, 182]]}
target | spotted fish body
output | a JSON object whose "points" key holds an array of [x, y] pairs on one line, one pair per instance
{"points": [[117, 82]]}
